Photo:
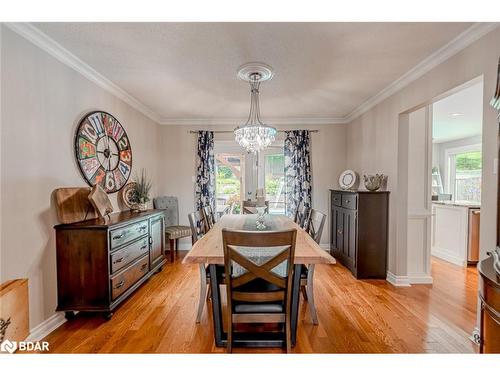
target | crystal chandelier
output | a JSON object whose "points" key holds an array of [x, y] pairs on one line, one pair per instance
{"points": [[255, 135]]}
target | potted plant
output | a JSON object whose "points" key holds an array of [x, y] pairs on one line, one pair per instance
{"points": [[140, 194]]}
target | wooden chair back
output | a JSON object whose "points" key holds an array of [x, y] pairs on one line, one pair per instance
{"points": [[301, 215], [233, 239], [252, 204], [314, 224], [198, 224], [209, 216]]}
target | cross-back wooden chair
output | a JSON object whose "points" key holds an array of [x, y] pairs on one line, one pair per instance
{"points": [[209, 216], [252, 205], [314, 225], [199, 228], [301, 214], [258, 293]]}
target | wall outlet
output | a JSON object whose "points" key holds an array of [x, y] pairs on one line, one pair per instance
{"points": [[495, 166]]}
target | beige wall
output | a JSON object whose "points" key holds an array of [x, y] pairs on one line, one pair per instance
{"points": [[177, 165], [373, 137], [42, 102]]}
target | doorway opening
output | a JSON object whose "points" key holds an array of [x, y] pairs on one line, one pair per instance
{"points": [[442, 178], [456, 176]]}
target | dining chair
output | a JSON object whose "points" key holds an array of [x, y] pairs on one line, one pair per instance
{"points": [[173, 231], [314, 226], [259, 273], [301, 214], [199, 228], [209, 216], [252, 204]]}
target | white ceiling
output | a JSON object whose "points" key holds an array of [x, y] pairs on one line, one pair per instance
{"points": [[184, 71], [459, 115]]}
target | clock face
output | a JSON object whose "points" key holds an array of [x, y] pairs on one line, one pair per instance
{"points": [[103, 151]]}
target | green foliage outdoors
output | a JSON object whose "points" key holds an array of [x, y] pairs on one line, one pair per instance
{"points": [[468, 161]]}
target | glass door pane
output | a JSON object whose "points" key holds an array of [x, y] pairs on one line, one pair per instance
{"points": [[274, 181], [229, 180]]}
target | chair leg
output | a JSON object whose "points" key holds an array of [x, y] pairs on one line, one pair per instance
{"points": [[303, 290], [172, 249], [310, 294], [203, 292], [209, 293], [177, 246], [288, 335], [229, 345]]}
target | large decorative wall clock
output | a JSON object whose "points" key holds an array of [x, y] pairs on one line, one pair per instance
{"points": [[103, 151]]}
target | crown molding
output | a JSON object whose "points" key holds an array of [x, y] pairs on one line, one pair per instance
{"points": [[53, 48], [239, 121], [463, 40], [49, 45]]}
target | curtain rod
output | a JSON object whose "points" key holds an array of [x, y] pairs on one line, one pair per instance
{"points": [[231, 131]]}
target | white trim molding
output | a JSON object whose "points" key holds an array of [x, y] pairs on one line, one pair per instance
{"points": [[239, 121], [52, 47], [400, 281], [420, 279], [463, 40], [49, 45], [46, 327]]}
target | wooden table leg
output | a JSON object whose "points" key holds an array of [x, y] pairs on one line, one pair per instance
{"points": [[216, 306], [294, 314]]}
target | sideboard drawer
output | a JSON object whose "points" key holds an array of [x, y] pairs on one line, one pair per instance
{"points": [[124, 280], [128, 233], [129, 253], [350, 201]]}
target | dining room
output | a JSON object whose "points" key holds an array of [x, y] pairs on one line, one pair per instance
{"points": [[232, 188]]}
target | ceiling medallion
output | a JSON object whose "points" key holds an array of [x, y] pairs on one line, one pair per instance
{"points": [[254, 135]]}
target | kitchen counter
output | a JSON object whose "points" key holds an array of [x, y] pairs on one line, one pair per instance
{"points": [[459, 203], [455, 231]]}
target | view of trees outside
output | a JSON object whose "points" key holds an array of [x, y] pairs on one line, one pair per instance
{"points": [[275, 182], [468, 166], [228, 180]]}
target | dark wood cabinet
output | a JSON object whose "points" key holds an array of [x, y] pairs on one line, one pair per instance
{"points": [[358, 231], [100, 263], [489, 295]]}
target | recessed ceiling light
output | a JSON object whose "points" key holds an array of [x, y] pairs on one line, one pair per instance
{"points": [[457, 114]]}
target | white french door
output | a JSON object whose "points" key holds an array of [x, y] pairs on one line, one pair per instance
{"points": [[239, 174]]}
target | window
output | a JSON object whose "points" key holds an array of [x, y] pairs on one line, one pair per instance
{"points": [[464, 175], [228, 180], [274, 181]]}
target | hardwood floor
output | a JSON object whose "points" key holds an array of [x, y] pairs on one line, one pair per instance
{"points": [[354, 317]]}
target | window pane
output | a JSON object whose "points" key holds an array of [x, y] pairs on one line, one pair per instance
{"points": [[468, 167], [275, 182], [228, 180]]}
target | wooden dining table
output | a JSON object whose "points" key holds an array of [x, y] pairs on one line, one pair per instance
{"points": [[208, 250]]}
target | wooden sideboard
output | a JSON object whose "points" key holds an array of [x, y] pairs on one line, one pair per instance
{"points": [[100, 263], [358, 231], [489, 295]]}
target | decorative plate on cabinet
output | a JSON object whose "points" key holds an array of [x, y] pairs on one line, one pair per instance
{"points": [[127, 192], [103, 152], [349, 180]]}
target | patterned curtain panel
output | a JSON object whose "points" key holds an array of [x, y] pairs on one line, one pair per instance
{"points": [[205, 171], [297, 170]]}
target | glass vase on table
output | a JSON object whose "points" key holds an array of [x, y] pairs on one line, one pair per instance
{"points": [[261, 220]]}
